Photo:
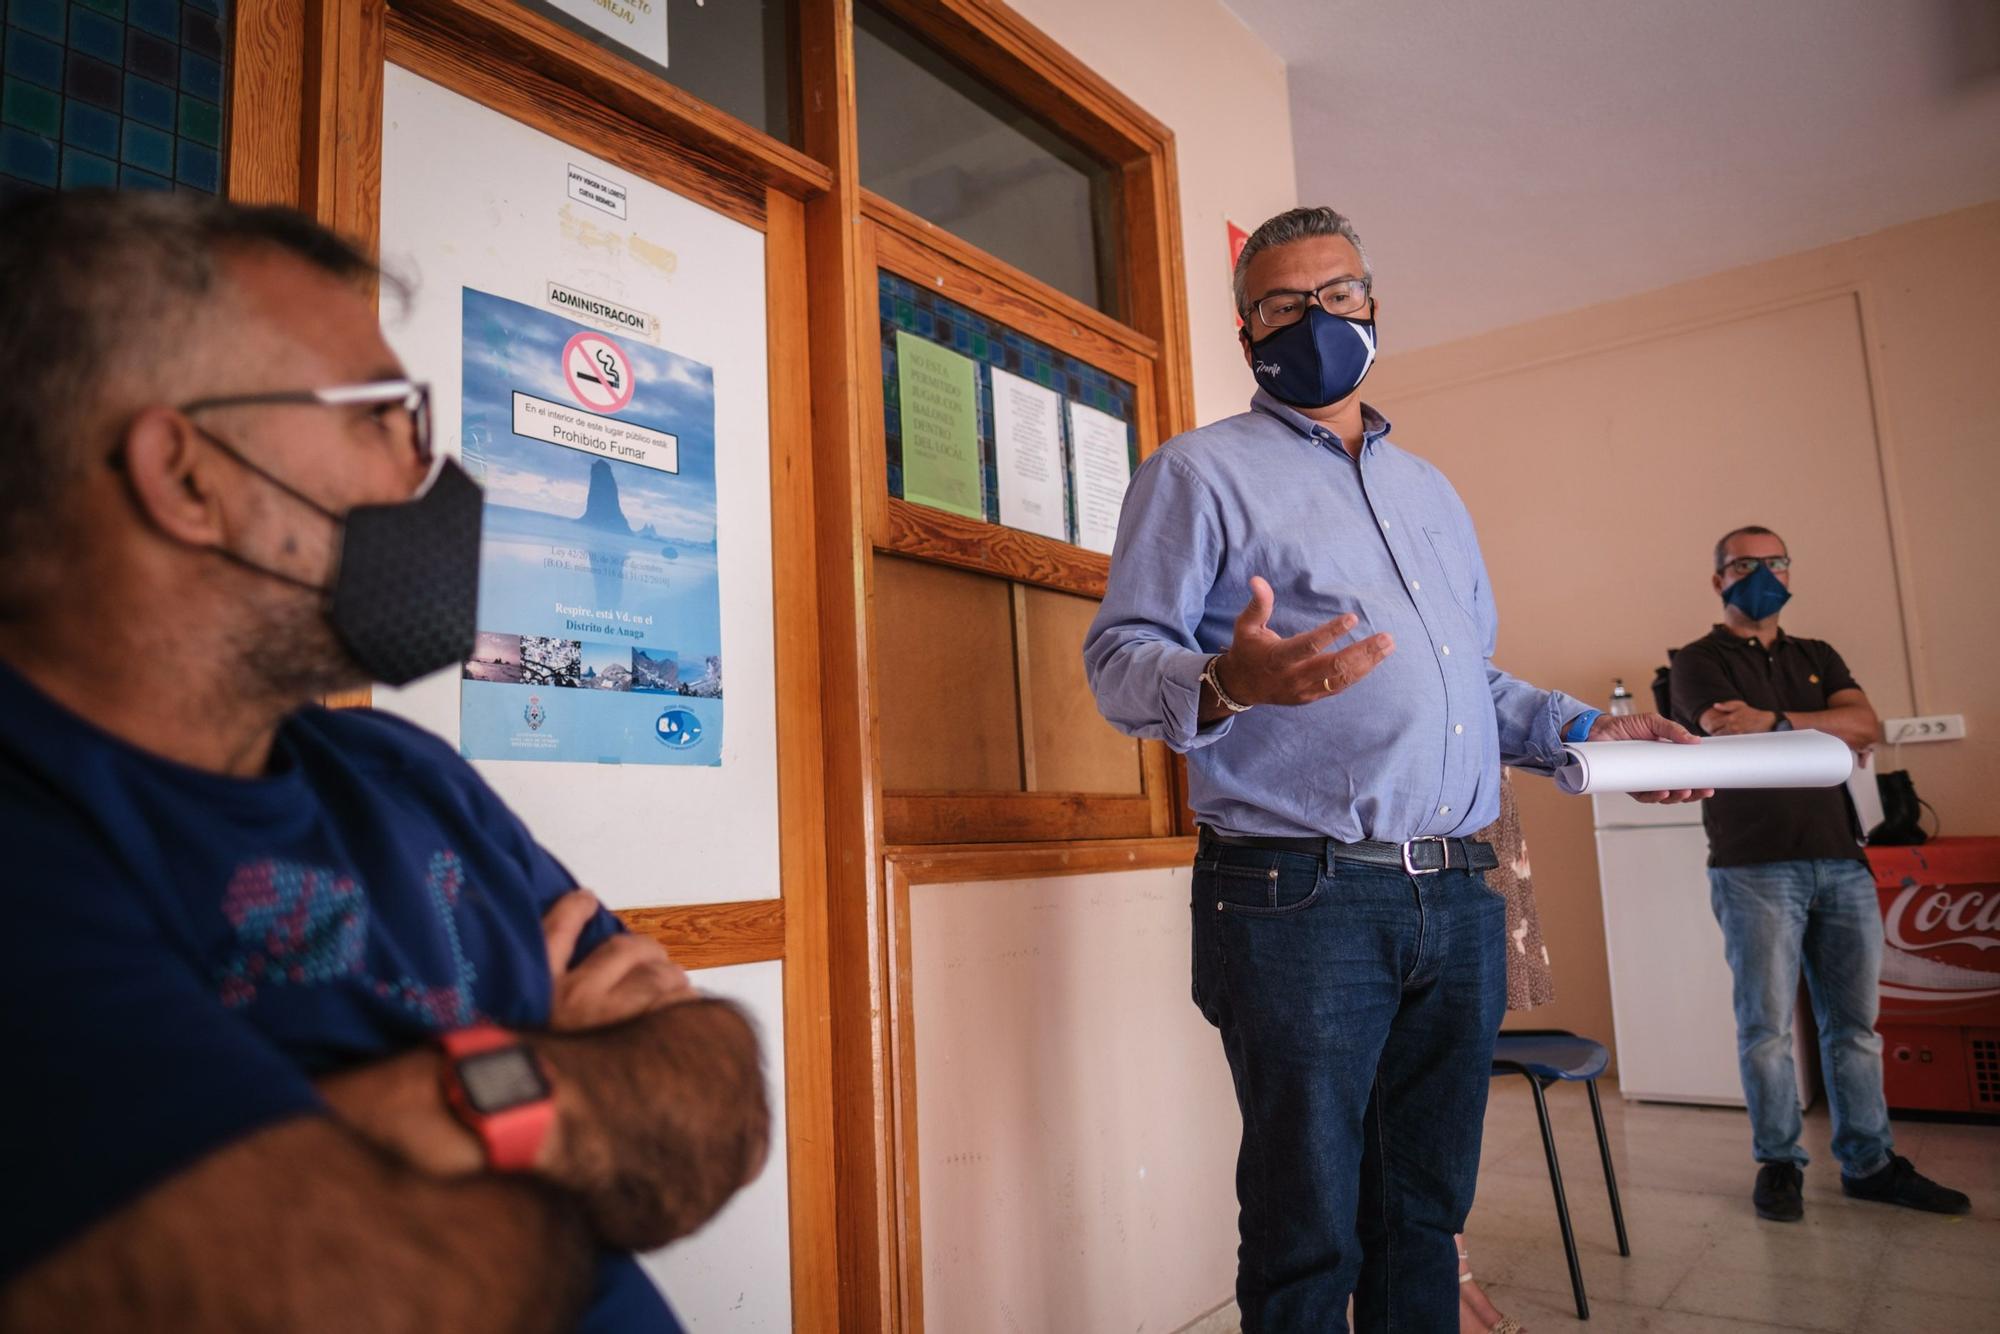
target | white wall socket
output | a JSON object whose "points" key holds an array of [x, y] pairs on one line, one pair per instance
{"points": [[1931, 727]]}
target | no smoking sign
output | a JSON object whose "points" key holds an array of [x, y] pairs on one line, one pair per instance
{"points": [[598, 371]]}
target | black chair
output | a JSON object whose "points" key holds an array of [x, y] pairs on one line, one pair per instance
{"points": [[1543, 1056]]}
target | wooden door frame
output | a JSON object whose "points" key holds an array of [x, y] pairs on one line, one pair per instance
{"points": [[306, 131], [868, 882]]}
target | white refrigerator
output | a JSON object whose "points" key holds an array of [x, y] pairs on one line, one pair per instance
{"points": [[1670, 983]]}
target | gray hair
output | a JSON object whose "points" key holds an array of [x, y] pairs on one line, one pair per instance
{"points": [[1748, 530], [1296, 224], [104, 293]]}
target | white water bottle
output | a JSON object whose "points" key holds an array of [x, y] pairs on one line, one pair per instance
{"points": [[1621, 699]]}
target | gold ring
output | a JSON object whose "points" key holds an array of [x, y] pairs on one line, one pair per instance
{"points": [[1326, 683]]}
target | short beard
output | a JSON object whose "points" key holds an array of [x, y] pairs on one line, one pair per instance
{"points": [[292, 655]]}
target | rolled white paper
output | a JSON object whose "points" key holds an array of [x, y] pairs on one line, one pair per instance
{"points": [[1769, 759]]}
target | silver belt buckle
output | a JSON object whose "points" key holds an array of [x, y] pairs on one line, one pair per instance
{"points": [[1444, 846]]}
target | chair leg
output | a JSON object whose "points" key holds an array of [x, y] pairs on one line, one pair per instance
{"points": [[1610, 1177], [1562, 1201]]}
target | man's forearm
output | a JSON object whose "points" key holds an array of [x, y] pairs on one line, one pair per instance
{"points": [[302, 1227], [1855, 724], [659, 1120]]}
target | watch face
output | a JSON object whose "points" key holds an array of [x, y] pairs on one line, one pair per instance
{"points": [[495, 1081]]}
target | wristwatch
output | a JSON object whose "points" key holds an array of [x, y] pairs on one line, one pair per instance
{"points": [[495, 1085], [1214, 681], [1780, 723]]}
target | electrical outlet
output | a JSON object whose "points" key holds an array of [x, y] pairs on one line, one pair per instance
{"points": [[1931, 727]]}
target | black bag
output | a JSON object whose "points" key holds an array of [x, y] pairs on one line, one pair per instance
{"points": [[1902, 824]]}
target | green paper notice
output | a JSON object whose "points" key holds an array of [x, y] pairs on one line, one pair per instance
{"points": [[940, 426]]}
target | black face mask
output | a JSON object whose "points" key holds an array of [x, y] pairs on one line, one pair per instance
{"points": [[405, 595]]}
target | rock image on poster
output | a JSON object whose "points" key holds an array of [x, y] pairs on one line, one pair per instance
{"points": [[600, 608]]}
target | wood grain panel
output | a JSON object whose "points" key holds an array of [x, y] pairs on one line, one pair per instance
{"points": [[982, 273], [1026, 817], [711, 935], [801, 760], [266, 81], [847, 462], [988, 287], [995, 549], [1071, 747], [944, 673]]}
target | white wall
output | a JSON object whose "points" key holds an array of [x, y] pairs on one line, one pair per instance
{"points": [[1048, 1224], [1075, 1125]]}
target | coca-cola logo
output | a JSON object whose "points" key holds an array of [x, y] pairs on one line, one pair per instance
{"points": [[1931, 917]]}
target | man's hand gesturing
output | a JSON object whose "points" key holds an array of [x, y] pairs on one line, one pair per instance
{"points": [[1262, 667]]}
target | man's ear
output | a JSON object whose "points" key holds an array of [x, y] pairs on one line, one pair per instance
{"points": [[1717, 581], [172, 473], [1243, 337]]}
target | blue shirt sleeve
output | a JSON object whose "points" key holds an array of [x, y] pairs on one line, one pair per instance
{"points": [[1142, 654], [123, 1066]]}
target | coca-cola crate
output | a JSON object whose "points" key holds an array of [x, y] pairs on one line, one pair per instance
{"points": [[1924, 1067], [1941, 928], [1983, 1054]]}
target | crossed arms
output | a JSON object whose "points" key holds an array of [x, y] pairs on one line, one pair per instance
{"points": [[380, 1216]]}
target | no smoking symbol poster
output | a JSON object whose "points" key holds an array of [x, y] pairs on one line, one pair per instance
{"points": [[598, 372]]}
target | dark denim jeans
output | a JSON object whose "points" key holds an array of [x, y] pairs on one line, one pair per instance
{"points": [[1358, 1007]]}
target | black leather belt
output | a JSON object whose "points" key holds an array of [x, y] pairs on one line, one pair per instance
{"points": [[1419, 856]]}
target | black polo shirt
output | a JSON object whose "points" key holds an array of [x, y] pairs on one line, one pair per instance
{"points": [[1750, 827]]}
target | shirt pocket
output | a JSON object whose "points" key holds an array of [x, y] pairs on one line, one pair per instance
{"points": [[1454, 566]]}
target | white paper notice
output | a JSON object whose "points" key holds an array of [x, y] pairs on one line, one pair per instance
{"points": [[1102, 468], [1027, 441], [1770, 759], [639, 24]]}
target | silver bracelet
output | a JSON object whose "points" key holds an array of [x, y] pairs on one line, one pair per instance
{"points": [[1214, 681]]}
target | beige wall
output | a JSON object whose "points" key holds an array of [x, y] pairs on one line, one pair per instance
{"points": [[1051, 1225], [1846, 396], [1074, 1116]]}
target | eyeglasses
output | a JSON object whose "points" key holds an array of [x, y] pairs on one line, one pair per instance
{"points": [[1742, 565], [383, 398], [1342, 296]]}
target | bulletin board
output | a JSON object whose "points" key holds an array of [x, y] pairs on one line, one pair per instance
{"points": [[909, 311], [597, 351]]}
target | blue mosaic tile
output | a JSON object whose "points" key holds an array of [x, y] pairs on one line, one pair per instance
{"points": [[124, 93]]}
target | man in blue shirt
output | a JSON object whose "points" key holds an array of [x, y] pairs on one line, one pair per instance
{"points": [[303, 1029], [1301, 608]]}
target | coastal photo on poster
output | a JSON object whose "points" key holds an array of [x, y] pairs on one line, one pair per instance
{"points": [[600, 628]]}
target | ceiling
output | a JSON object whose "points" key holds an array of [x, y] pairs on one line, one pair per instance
{"points": [[1508, 159]]}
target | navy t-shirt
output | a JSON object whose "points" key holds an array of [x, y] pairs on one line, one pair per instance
{"points": [[182, 952]]}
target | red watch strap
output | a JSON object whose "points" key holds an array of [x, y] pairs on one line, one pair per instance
{"points": [[513, 1138], [471, 1041]]}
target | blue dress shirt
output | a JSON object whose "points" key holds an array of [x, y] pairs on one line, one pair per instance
{"points": [[1412, 749]]}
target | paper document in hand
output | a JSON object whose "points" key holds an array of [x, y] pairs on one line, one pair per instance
{"points": [[1771, 759]]}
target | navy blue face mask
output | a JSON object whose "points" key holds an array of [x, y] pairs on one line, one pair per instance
{"points": [[1757, 594], [1320, 360]]}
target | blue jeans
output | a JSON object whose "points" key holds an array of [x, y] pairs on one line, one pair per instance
{"points": [[1358, 1007], [1824, 915]]}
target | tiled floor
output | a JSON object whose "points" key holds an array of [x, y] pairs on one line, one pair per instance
{"points": [[1702, 1262]]}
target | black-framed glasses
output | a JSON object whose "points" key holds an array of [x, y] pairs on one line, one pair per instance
{"points": [[1742, 565], [1342, 296], [383, 398]]}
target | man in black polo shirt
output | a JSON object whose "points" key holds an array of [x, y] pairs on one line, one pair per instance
{"points": [[1790, 885]]}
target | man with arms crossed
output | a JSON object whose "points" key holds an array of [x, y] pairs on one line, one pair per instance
{"points": [[303, 1030], [1791, 888], [1302, 608]]}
